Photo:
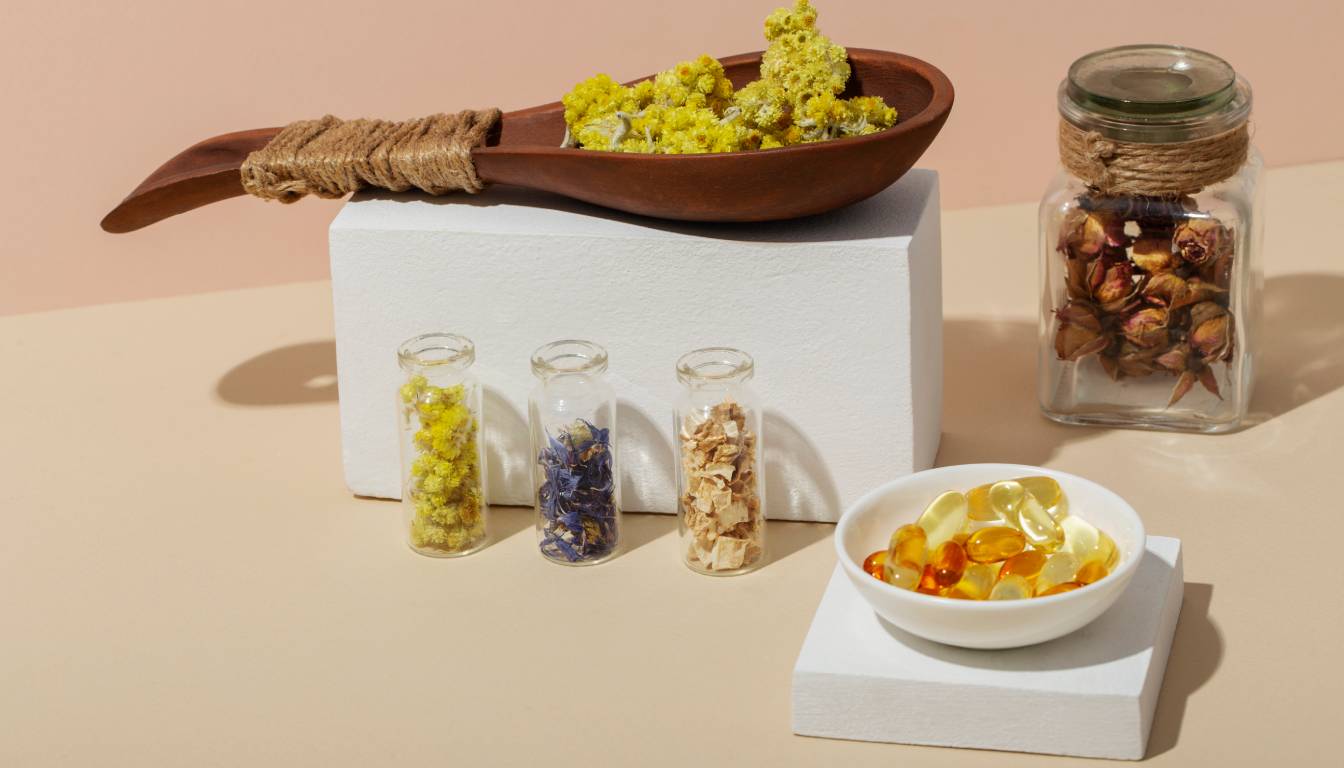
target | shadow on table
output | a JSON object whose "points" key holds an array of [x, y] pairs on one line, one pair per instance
{"points": [[299, 373], [507, 522], [1196, 652], [1301, 343], [990, 411]]}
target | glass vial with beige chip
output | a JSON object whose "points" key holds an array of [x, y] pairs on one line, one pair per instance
{"points": [[717, 426]]}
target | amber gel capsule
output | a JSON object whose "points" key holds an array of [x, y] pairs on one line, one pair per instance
{"points": [[1037, 525], [990, 545], [975, 583], [1026, 564], [949, 563], [1089, 572]]}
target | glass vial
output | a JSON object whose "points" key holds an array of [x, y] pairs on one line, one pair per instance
{"points": [[717, 426], [443, 486], [572, 415], [1150, 303]]}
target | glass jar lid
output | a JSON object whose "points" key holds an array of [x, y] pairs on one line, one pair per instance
{"points": [[1154, 94]]}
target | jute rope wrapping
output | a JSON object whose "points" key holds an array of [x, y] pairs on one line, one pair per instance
{"points": [[332, 157], [1124, 168]]}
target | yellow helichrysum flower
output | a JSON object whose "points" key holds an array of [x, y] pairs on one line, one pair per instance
{"points": [[692, 108], [445, 476]]}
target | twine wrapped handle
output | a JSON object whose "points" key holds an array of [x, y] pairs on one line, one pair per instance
{"points": [[1125, 168], [332, 157]]}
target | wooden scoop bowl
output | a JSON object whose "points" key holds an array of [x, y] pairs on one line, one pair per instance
{"points": [[525, 151]]}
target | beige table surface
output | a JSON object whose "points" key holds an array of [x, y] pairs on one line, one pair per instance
{"points": [[186, 582]]}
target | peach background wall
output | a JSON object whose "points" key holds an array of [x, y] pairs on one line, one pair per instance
{"points": [[96, 95]]}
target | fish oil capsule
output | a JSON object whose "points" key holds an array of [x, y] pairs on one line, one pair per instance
{"points": [[873, 563], [1086, 542], [927, 583], [1060, 589], [1059, 568], [975, 584], [1037, 525], [1011, 587], [1047, 491], [1091, 571], [978, 506], [1027, 564], [1004, 498], [902, 575], [949, 563], [992, 545], [907, 546], [1108, 548], [944, 518]]}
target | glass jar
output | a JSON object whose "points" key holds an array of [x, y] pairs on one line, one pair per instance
{"points": [[1150, 241], [572, 414], [443, 485], [717, 423]]}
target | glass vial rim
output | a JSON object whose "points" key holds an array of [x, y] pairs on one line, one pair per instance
{"points": [[569, 356], [1154, 94], [450, 351], [715, 365]]}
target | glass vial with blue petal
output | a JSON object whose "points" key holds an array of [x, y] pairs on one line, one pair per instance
{"points": [[443, 484], [717, 426], [572, 415]]}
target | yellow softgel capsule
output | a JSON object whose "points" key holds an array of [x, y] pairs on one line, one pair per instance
{"points": [[1087, 542], [976, 583], [1060, 589], [992, 545], [978, 506], [1091, 571], [1047, 491], [944, 518], [873, 563], [1059, 568], [1004, 498], [907, 545], [1038, 526], [1011, 587], [1026, 564]]}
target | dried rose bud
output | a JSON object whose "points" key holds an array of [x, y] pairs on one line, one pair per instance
{"points": [[1081, 235], [1136, 361], [1183, 384], [1175, 359], [1079, 333], [1117, 287], [1218, 271], [1166, 289], [1153, 254], [1146, 327], [1200, 240], [1198, 290], [1079, 281], [1211, 331], [1209, 381]]}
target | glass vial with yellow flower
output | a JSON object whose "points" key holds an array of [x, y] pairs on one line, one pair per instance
{"points": [[572, 414], [443, 484], [717, 426]]}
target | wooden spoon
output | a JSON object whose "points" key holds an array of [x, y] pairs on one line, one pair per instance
{"points": [[763, 185]]}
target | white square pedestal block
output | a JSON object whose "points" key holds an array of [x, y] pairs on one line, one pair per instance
{"points": [[842, 312], [1091, 693]]}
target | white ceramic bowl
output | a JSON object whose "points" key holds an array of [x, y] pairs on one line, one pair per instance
{"points": [[868, 524]]}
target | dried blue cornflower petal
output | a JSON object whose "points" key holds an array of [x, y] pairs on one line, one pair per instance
{"points": [[577, 498]]}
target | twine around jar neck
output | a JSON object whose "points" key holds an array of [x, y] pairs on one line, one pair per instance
{"points": [[331, 157], [1126, 168]]}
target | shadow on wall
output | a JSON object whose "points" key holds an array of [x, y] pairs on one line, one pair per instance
{"points": [[798, 484], [507, 450], [646, 461], [299, 373]]}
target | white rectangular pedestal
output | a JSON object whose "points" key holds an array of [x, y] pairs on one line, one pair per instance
{"points": [[1090, 694], [842, 313]]}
